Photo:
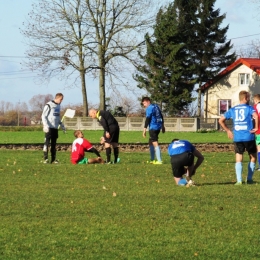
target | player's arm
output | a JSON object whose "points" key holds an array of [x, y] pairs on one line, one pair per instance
{"points": [[223, 125], [256, 118], [200, 159], [146, 123]]}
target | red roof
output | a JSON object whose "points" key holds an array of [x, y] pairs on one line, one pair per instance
{"points": [[253, 64]]}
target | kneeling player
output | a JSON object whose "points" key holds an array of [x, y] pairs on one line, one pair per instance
{"points": [[79, 147], [182, 154]]}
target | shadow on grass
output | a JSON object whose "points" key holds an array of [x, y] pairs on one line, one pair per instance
{"points": [[222, 183]]}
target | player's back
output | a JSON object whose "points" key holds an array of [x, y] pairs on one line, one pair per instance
{"points": [[242, 122]]}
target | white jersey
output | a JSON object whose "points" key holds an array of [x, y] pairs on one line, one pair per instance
{"points": [[51, 115]]}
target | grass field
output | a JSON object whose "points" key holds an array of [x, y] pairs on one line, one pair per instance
{"points": [[131, 210], [125, 137]]}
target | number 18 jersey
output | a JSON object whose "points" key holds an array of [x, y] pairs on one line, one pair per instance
{"points": [[242, 122]]}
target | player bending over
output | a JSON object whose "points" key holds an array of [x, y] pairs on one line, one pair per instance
{"points": [[79, 147], [182, 154]]}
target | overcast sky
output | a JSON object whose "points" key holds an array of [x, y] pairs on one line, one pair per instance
{"points": [[18, 84]]}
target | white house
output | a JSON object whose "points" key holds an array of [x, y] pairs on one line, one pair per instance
{"points": [[222, 91]]}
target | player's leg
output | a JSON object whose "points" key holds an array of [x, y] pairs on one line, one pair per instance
{"points": [[108, 152], [178, 170], [95, 160], [239, 151], [154, 139], [47, 139], [257, 139], [114, 138], [152, 152], [252, 152], [54, 137]]}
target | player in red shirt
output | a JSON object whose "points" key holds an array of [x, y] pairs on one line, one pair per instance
{"points": [[257, 133], [79, 147]]}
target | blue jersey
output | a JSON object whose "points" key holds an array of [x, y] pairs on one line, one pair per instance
{"points": [[153, 112], [242, 122], [180, 146]]}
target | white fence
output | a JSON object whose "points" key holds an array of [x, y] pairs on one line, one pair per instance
{"points": [[137, 124]]}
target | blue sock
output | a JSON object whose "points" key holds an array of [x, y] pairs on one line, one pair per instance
{"points": [[158, 153], [239, 169], [258, 158], [250, 168], [151, 152]]}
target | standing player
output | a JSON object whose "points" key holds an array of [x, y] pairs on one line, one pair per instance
{"points": [[243, 134], [79, 147], [257, 133], [111, 132], [154, 119], [182, 154], [51, 122]]}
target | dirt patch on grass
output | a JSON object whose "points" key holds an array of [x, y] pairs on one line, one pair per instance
{"points": [[207, 147]]}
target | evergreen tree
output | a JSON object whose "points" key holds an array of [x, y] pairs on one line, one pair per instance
{"points": [[165, 74], [205, 41], [188, 47]]}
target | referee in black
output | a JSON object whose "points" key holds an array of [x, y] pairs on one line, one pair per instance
{"points": [[111, 132]]}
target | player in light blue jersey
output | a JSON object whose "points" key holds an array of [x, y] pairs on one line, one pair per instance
{"points": [[154, 120], [182, 154], [243, 134]]}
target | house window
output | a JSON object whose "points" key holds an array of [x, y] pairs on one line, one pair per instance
{"points": [[223, 106], [243, 79]]}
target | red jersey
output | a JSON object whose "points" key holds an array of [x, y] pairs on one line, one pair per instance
{"points": [[257, 109], [79, 146]]}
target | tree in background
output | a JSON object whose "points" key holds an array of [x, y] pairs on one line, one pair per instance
{"points": [[205, 41], [84, 36], [165, 74], [189, 48]]}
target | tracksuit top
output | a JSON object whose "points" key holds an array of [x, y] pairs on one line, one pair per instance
{"points": [[51, 115]]}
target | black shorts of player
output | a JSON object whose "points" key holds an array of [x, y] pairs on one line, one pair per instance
{"points": [[114, 134], [179, 162], [154, 135], [241, 147]]}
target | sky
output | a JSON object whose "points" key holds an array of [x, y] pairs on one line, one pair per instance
{"points": [[18, 84]]}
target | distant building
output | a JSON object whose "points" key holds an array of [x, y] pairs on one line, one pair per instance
{"points": [[222, 91]]}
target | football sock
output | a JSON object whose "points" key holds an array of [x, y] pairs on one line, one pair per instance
{"points": [[108, 154], [239, 169], [151, 152], [250, 168], [158, 153], [258, 158], [116, 154]]}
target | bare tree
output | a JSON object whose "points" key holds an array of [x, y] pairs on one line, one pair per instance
{"points": [[68, 36], [38, 102], [252, 51]]}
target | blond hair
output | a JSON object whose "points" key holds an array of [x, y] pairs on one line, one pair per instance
{"points": [[243, 95]]}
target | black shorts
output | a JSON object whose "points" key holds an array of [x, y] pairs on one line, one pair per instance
{"points": [[114, 135], [241, 147], [154, 135], [179, 162]]}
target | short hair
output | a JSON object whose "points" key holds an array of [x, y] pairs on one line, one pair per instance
{"points": [[146, 99], [257, 97], [175, 139], [58, 95], [243, 94], [77, 132]]}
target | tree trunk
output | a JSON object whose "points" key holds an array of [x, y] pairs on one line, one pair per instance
{"points": [[199, 101], [102, 80], [84, 92]]}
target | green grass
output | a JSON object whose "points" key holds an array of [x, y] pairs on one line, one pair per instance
{"points": [[132, 210], [32, 137]]}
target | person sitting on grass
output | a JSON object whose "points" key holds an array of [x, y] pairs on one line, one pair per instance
{"points": [[79, 147], [182, 154]]}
